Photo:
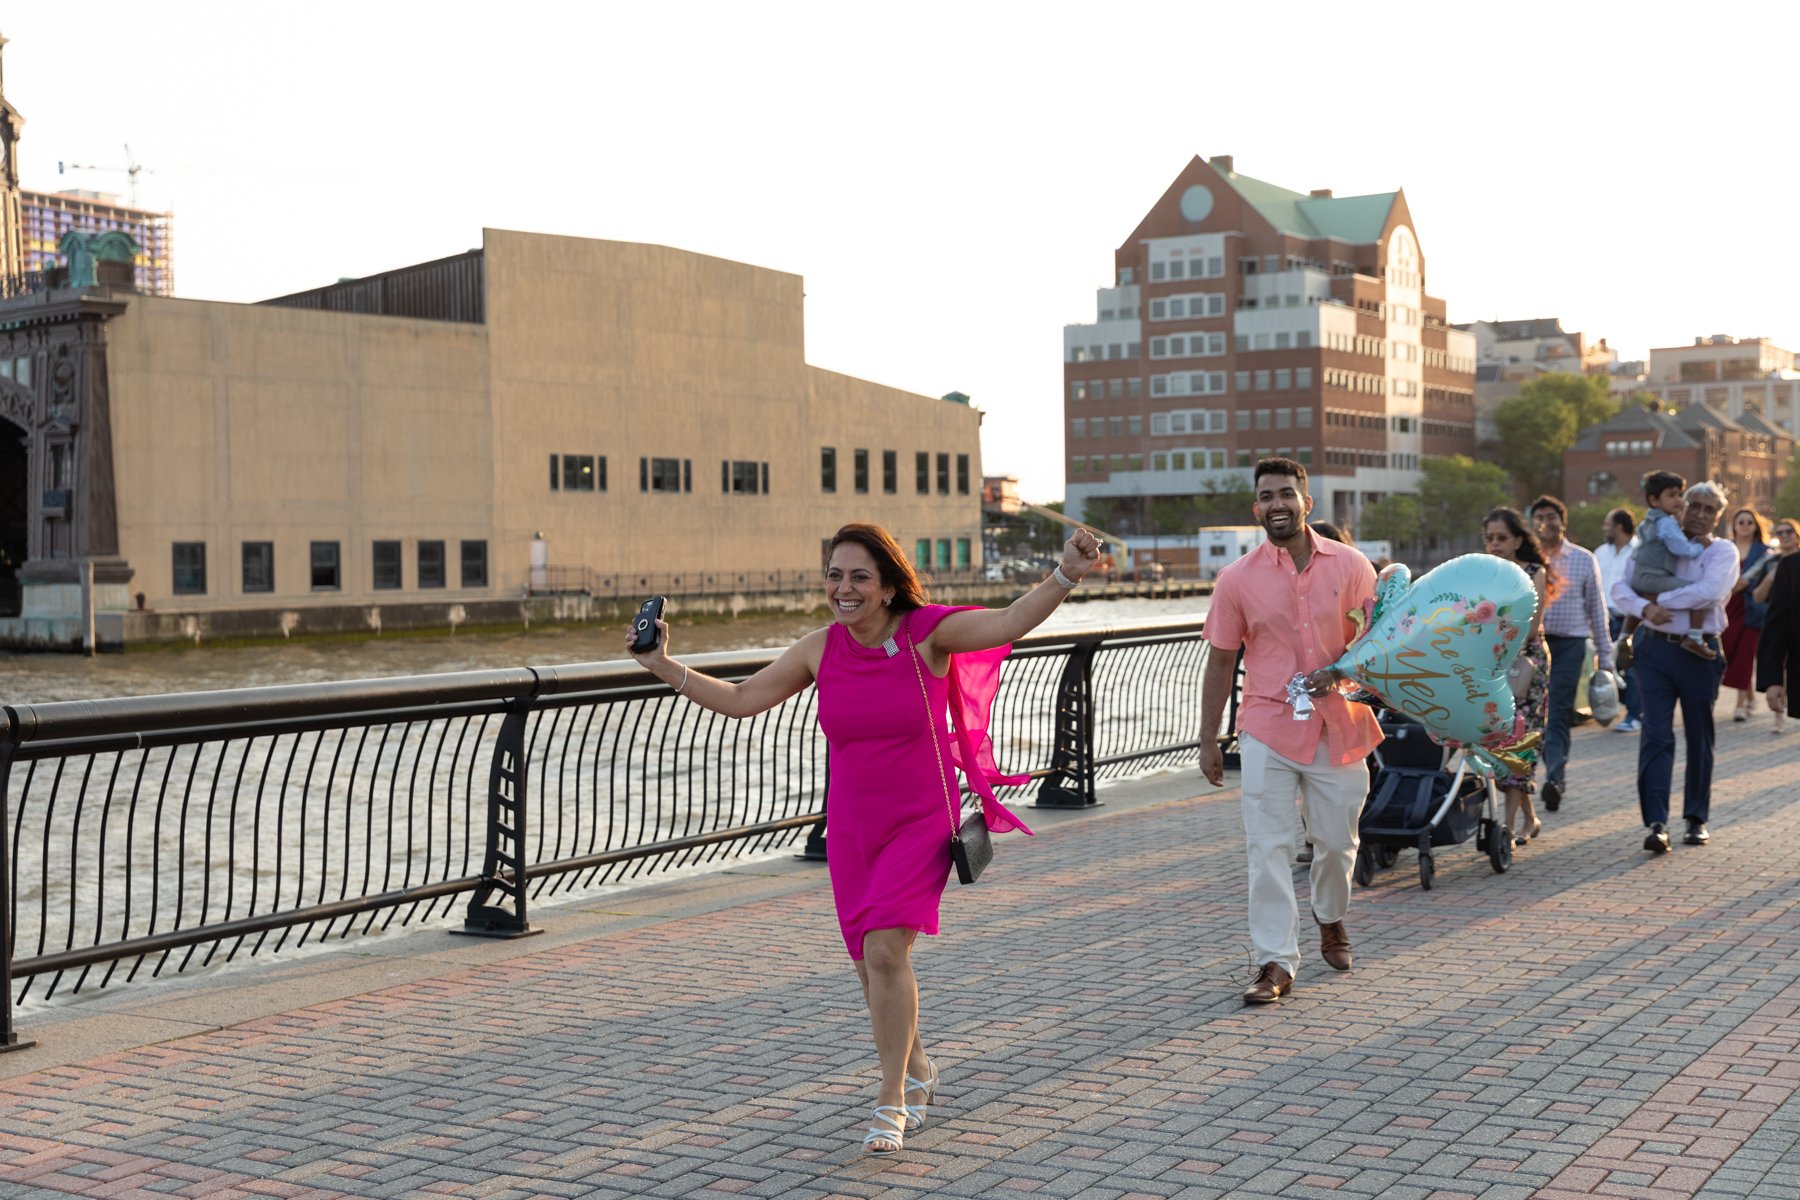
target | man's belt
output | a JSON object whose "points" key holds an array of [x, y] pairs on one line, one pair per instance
{"points": [[1711, 638]]}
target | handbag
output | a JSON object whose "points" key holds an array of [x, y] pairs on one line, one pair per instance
{"points": [[1518, 676], [971, 847]]}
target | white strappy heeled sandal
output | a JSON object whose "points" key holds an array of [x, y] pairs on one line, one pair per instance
{"points": [[886, 1141], [915, 1113]]}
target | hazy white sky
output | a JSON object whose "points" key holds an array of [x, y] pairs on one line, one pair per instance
{"points": [[950, 178]]}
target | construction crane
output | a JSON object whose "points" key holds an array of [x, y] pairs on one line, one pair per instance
{"points": [[130, 170]]}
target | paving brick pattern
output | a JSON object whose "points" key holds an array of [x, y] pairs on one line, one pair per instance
{"points": [[1593, 1023]]}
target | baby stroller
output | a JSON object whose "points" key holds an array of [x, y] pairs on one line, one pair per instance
{"points": [[1421, 796]]}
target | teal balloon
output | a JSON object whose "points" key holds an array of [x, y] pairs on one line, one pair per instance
{"points": [[1438, 648]]}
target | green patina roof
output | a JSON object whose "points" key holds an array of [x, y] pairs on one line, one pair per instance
{"points": [[1355, 219]]}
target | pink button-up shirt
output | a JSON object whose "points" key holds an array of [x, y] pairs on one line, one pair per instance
{"points": [[1289, 622]]}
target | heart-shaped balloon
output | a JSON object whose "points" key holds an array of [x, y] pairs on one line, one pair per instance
{"points": [[1438, 650]]}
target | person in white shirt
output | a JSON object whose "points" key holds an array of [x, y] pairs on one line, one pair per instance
{"points": [[1614, 556]]}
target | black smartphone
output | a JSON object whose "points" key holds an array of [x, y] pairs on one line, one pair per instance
{"points": [[644, 625]]}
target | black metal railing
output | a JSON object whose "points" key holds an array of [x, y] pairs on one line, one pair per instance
{"points": [[169, 833]]}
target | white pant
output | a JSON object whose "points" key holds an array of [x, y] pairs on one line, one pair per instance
{"points": [[1333, 800]]}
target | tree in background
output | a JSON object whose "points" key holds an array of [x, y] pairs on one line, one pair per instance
{"points": [[1454, 494], [1395, 520], [1587, 520], [1787, 501], [1539, 424]]}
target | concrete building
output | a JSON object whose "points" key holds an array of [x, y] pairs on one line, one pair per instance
{"points": [[1510, 354], [1747, 455], [1731, 376], [421, 447], [1246, 320]]}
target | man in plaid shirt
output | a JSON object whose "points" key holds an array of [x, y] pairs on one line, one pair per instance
{"points": [[1577, 615]]}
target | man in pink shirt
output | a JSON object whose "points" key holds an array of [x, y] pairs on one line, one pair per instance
{"points": [[1287, 604]]}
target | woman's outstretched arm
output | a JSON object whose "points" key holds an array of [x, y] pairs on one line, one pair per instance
{"points": [[786, 676], [985, 628]]}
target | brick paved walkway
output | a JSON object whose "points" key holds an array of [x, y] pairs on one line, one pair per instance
{"points": [[1594, 1022]]}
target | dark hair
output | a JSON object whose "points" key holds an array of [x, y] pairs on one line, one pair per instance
{"points": [[1548, 501], [890, 563], [1763, 529], [1658, 482], [1529, 550], [1279, 466], [1326, 529], [1623, 519]]}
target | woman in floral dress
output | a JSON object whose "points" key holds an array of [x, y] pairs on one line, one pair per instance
{"points": [[1504, 534]]}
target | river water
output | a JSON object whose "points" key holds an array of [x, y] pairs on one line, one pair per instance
{"points": [[40, 678]]}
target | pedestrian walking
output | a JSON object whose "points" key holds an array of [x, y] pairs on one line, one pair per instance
{"points": [[886, 669], [1574, 618], [1743, 617], [1775, 666], [1612, 556], [1504, 535], [1668, 675], [1287, 604]]}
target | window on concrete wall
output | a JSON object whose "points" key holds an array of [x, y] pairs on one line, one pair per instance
{"points": [[943, 555], [259, 566], [474, 564], [828, 469], [962, 552], [890, 471], [578, 473], [327, 573], [922, 474], [189, 562], [962, 474], [943, 474], [663, 475], [386, 561], [431, 564], [922, 553], [860, 465]]}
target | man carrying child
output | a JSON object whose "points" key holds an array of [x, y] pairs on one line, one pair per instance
{"points": [[1661, 544]]}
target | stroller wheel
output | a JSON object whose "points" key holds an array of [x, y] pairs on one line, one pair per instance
{"points": [[1364, 871], [1386, 856], [1427, 869], [1499, 847]]}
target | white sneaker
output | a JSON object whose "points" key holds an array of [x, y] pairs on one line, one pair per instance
{"points": [[1628, 725]]}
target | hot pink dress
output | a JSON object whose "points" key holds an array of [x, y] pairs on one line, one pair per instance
{"points": [[887, 824]]}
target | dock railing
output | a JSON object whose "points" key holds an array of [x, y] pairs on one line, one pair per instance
{"points": [[154, 834]]}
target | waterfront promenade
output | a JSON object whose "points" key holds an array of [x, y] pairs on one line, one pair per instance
{"points": [[1595, 1022]]}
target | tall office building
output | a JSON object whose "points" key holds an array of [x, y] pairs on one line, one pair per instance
{"points": [[46, 216], [1246, 320]]}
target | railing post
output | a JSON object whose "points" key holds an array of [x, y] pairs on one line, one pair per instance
{"points": [[815, 837], [503, 867], [9, 1037], [1072, 762], [1233, 762]]}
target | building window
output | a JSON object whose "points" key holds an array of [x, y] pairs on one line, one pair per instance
{"points": [[189, 561], [326, 575], [943, 475], [387, 566], [890, 472], [743, 478], [665, 475], [578, 473], [860, 461], [962, 552], [828, 469], [1303, 377], [474, 564], [431, 564], [943, 548], [922, 477], [922, 553], [1078, 428], [962, 474], [1134, 389], [259, 566]]}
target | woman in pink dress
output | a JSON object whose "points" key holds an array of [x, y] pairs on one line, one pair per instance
{"points": [[887, 669]]}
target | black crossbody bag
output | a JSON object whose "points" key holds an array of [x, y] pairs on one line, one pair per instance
{"points": [[971, 847]]}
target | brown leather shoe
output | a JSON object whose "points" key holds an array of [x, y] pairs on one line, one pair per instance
{"points": [[1334, 945], [1272, 983]]}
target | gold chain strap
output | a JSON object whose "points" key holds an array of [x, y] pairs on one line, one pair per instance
{"points": [[936, 750]]}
